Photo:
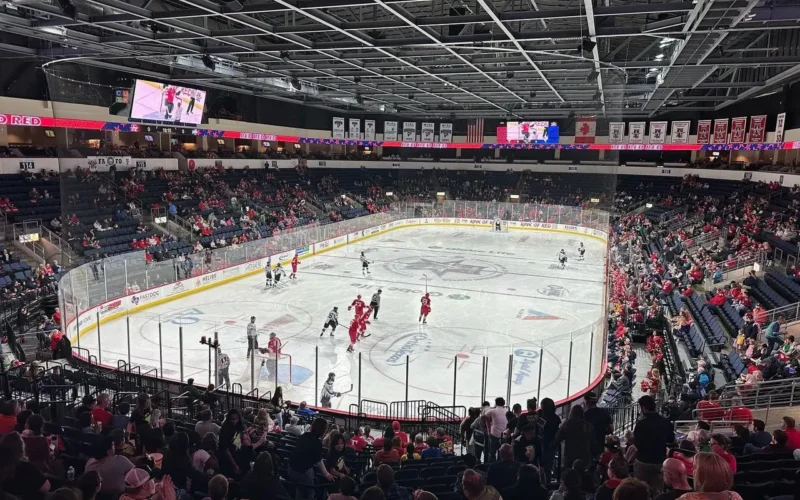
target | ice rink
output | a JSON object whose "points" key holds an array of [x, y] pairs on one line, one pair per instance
{"points": [[493, 295]]}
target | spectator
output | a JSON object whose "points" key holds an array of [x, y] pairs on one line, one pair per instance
{"points": [[398, 433], [337, 453], [549, 429], [19, 477], [773, 335], [632, 489], [262, 483], [779, 444], [139, 485], [496, 423], [37, 447], [358, 443], [373, 493], [792, 434], [675, 478], [230, 440], [205, 425], [89, 485], [391, 490], [475, 487], [121, 419], [178, 463], [713, 479], [293, 426], [685, 455], [346, 489], [433, 450], [100, 413], [652, 434], [410, 454], [112, 467], [571, 487], [578, 437], [307, 455], [526, 439], [720, 445], [600, 420], [204, 458], [503, 474], [527, 487], [217, 488], [387, 454], [617, 472], [470, 461], [759, 437]]}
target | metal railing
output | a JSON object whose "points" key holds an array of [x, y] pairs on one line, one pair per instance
{"points": [[790, 312], [770, 393]]}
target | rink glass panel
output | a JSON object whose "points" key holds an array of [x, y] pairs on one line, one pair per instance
{"points": [[513, 370]]}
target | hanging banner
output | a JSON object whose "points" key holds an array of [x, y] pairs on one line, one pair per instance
{"points": [[409, 131], [680, 132], [758, 128], [369, 130], [355, 128], [426, 132], [658, 132], [738, 129], [338, 128], [636, 132], [703, 131], [585, 130], [720, 131], [445, 132], [780, 126], [616, 132], [389, 131]]}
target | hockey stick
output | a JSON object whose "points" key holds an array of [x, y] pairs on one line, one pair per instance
{"points": [[348, 391]]}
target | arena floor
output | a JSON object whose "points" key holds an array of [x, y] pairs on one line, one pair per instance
{"points": [[493, 294]]}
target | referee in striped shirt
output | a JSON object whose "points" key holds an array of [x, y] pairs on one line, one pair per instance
{"points": [[252, 336]]}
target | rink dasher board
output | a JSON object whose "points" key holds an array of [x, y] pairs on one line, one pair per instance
{"points": [[87, 320]]}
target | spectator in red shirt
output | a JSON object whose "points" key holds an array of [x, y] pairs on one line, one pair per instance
{"points": [[717, 300], [398, 433], [57, 317], [710, 409], [8, 416], [358, 443], [719, 445], [792, 434], [100, 413]]}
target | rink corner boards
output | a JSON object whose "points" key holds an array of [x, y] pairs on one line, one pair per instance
{"points": [[87, 320]]}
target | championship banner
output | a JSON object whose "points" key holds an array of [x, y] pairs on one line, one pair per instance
{"points": [[389, 131], [426, 134], [738, 129], [780, 125], [409, 131], [680, 132], [703, 131], [369, 130], [720, 131], [338, 128], [758, 128], [445, 132], [355, 128], [658, 132], [636, 132], [616, 132]]}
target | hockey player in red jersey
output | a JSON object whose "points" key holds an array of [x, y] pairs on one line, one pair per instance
{"points": [[295, 263], [358, 304], [363, 321], [425, 309], [353, 331]]}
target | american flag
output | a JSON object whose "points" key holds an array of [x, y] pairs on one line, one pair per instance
{"points": [[475, 130]]}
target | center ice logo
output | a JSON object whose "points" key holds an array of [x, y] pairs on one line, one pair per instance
{"points": [[412, 345], [534, 315], [452, 269]]}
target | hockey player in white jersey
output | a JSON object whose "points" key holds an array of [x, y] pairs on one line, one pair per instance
{"points": [[269, 276], [562, 258], [332, 321], [277, 273], [328, 392], [364, 264], [581, 251]]}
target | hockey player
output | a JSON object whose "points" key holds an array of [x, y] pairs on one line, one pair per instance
{"points": [[295, 263], [277, 273], [363, 321], [497, 224], [223, 366], [581, 251], [353, 331], [375, 303], [273, 350], [425, 309], [328, 392], [358, 304], [332, 321], [364, 264], [562, 258], [268, 275]]}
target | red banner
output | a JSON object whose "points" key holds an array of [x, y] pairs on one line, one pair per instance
{"points": [[703, 131], [720, 131], [758, 128], [738, 129], [585, 130]]}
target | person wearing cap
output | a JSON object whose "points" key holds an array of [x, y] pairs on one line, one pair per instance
{"points": [[600, 420], [140, 486], [527, 438]]}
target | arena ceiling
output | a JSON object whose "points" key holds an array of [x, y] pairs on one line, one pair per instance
{"points": [[435, 58]]}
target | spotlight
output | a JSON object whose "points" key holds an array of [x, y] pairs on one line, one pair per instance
{"points": [[359, 99], [68, 9], [587, 45], [410, 96], [533, 93], [592, 76], [596, 96], [509, 74], [285, 55], [295, 83], [208, 62], [154, 28], [356, 79]]}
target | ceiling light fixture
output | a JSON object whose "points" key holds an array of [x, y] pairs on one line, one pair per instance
{"points": [[68, 9], [234, 5]]}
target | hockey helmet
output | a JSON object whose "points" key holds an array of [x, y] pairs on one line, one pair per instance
{"points": [[273, 335], [331, 375], [358, 297], [335, 308], [427, 294]]}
